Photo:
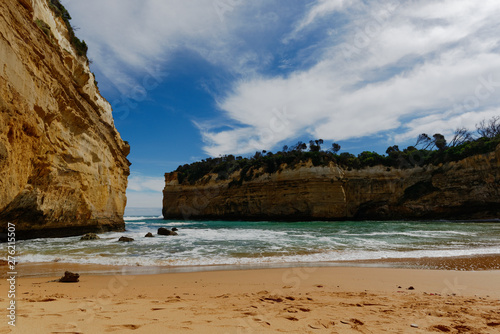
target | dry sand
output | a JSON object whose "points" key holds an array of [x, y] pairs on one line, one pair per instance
{"points": [[291, 300]]}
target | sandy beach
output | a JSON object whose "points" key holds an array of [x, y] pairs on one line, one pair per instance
{"points": [[288, 300]]}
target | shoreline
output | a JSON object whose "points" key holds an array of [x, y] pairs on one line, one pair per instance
{"points": [[487, 262], [292, 300]]}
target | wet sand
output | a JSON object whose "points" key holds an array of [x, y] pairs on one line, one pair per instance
{"points": [[286, 300]]}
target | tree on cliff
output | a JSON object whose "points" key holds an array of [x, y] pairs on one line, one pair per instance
{"points": [[315, 145], [392, 149], [427, 143], [299, 147], [490, 128], [439, 141], [335, 148], [423, 153], [462, 135], [424, 141]]}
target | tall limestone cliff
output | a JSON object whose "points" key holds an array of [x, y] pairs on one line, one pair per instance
{"points": [[466, 189], [63, 165]]}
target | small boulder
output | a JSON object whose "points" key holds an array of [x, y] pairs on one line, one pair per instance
{"points": [[125, 239], [69, 277], [149, 235], [90, 236], [166, 231], [175, 229]]}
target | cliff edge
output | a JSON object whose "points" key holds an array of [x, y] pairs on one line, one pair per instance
{"points": [[63, 165], [464, 189]]}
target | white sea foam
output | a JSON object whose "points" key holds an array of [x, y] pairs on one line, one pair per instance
{"points": [[181, 224], [419, 234], [195, 258], [132, 218], [220, 243]]}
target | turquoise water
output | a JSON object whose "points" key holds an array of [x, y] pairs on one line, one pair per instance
{"points": [[202, 243]]}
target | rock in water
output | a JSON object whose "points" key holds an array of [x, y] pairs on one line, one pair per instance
{"points": [[166, 231], [149, 235], [125, 239], [175, 229], [69, 277], [90, 236]]}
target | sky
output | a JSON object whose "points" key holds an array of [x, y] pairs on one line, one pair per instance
{"points": [[199, 78]]}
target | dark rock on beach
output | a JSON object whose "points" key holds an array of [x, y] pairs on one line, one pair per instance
{"points": [[69, 277], [125, 239], [149, 235], [90, 236], [166, 231]]}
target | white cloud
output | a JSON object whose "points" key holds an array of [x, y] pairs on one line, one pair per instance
{"points": [[438, 123], [144, 200], [386, 67], [145, 191], [320, 9], [130, 38], [146, 183], [406, 66]]}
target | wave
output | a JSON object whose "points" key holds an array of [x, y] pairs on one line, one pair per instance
{"points": [[207, 243], [416, 234], [134, 218], [182, 224], [194, 258]]}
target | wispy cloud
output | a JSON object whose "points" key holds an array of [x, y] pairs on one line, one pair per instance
{"points": [[415, 61], [145, 191], [145, 183], [319, 10], [372, 66], [143, 200], [128, 38]]}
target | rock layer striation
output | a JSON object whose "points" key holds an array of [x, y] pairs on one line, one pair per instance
{"points": [[63, 165], [466, 189]]}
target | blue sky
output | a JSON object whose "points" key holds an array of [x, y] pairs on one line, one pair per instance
{"points": [[198, 78]]}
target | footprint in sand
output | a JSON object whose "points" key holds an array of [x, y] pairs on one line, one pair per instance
{"points": [[441, 328], [119, 327], [63, 328], [321, 324], [252, 314]]}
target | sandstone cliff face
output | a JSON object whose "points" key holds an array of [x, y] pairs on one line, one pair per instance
{"points": [[467, 189], [63, 166]]}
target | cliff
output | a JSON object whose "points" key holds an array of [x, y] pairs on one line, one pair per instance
{"points": [[63, 166], [465, 189]]}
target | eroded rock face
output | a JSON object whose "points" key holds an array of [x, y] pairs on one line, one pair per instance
{"points": [[467, 189], [63, 166]]}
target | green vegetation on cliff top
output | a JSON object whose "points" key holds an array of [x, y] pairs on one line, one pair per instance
{"points": [[427, 150], [80, 46]]}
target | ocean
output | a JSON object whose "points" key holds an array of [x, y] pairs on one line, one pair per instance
{"points": [[267, 244]]}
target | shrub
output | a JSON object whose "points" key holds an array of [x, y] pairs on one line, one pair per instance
{"points": [[45, 28], [81, 47], [268, 162]]}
